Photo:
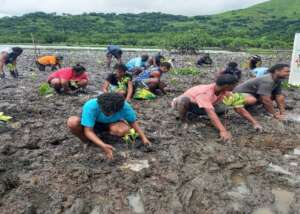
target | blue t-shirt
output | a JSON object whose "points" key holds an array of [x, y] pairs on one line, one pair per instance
{"points": [[135, 63], [92, 113], [260, 71]]}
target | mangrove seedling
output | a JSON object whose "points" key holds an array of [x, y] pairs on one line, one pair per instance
{"points": [[4, 118]]}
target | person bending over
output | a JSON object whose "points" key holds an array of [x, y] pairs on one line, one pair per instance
{"points": [[151, 79], [137, 65], [69, 80], [113, 51], [205, 60], [232, 68], [8, 58], [109, 112], [49, 61], [119, 82], [205, 99], [265, 89]]}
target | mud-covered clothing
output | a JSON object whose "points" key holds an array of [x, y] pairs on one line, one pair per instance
{"points": [[204, 96], [48, 60], [204, 60], [260, 86], [114, 50], [92, 114], [117, 85], [67, 74]]}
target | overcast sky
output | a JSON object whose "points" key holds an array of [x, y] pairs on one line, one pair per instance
{"points": [[183, 7]]}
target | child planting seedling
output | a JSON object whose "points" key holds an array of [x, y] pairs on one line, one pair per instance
{"points": [[69, 80], [108, 113]]}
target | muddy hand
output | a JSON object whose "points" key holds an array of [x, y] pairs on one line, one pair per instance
{"points": [[225, 136], [258, 127], [108, 150]]}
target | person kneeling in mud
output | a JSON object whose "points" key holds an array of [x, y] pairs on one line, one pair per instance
{"points": [[204, 100], [109, 112], [205, 60], [69, 80], [232, 68], [49, 61], [151, 79], [264, 90], [119, 82], [8, 57]]}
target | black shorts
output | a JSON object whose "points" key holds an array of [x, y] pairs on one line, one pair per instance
{"points": [[194, 109], [101, 127]]}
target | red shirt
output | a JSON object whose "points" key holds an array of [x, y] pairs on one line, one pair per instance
{"points": [[68, 74]]}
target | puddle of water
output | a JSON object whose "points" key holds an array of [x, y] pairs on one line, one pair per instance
{"points": [[279, 169], [136, 203], [238, 179], [241, 188], [297, 151], [293, 118], [263, 211], [136, 165], [283, 200]]}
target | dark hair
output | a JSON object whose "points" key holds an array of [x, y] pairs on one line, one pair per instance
{"points": [[254, 60], [277, 67], [226, 79], [232, 68], [166, 64], [78, 68], [145, 58], [17, 50], [121, 67], [111, 102], [232, 65]]}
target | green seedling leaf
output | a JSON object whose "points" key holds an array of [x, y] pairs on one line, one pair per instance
{"points": [[4, 117], [236, 100], [130, 137], [45, 89], [186, 71]]}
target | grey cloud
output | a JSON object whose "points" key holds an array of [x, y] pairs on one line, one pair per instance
{"points": [[184, 7]]}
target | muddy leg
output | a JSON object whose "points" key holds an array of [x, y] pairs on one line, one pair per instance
{"points": [[182, 106], [76, 128], [82, 83], [56, 84], [119, 129]]}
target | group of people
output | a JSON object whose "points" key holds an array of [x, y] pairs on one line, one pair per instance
{"points": [[112, 112]]}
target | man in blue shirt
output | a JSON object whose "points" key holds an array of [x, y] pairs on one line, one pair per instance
{"points": [[109, 112], [113, 51], [137, 65]]}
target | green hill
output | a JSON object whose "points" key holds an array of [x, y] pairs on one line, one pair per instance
{"points": [[267, 25]]}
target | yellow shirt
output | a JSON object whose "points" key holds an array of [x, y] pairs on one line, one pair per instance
{"points": [[47, 60]]}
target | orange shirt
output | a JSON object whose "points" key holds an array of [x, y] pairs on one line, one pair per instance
{"points": [[204, 95], [47, 60]]}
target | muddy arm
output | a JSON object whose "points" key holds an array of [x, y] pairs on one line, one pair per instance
{"points": [[138, 129], [280, 100], [225, 135], [105, 86], [245, 114], [90, 135], [129, 90], [268, 104]]}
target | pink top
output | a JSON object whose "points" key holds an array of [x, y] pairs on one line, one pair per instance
{"points": [[204, 95], [68, 75]]}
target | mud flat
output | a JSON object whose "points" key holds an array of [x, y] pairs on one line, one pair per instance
{"points": [[44, 169]]}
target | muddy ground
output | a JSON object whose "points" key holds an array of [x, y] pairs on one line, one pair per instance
{"points": [[44, 169]]}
